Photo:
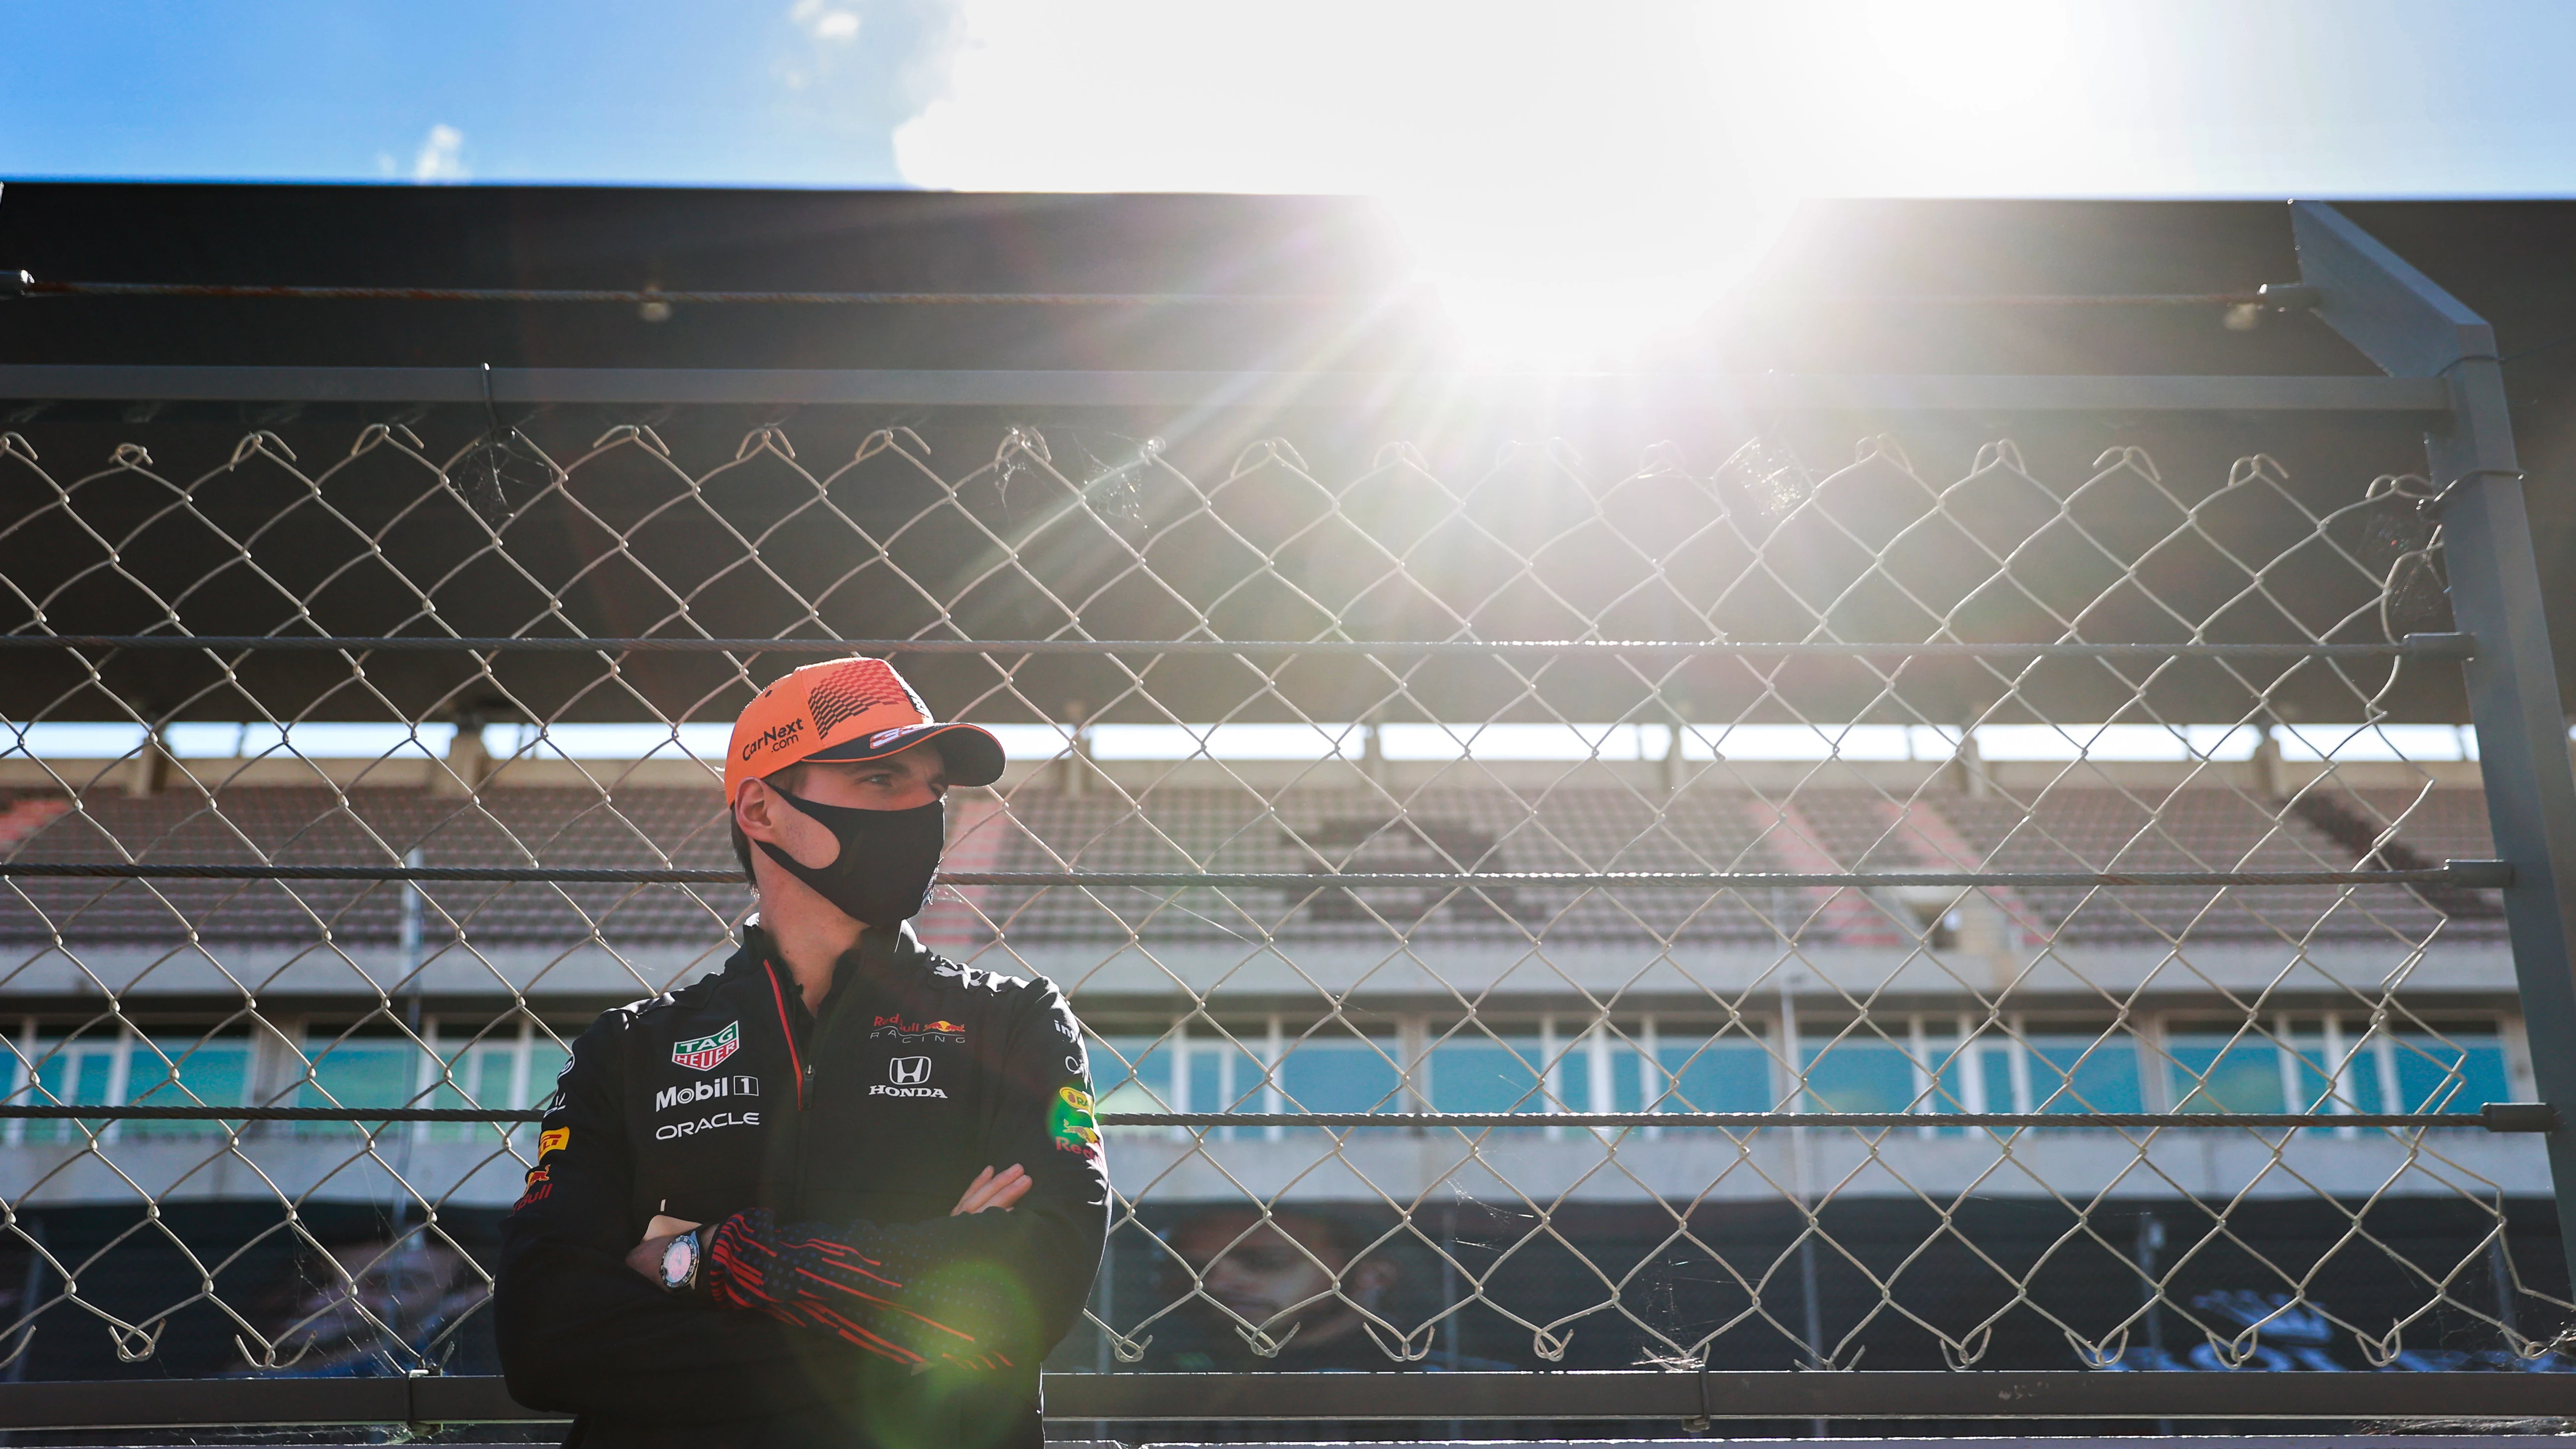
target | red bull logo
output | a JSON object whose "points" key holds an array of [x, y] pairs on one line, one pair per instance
{"points": [[909, 1031]]}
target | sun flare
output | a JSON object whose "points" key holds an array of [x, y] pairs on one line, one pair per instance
{"points": [[1576, 281]]}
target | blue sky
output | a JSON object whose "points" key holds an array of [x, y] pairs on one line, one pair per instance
{"points": [[1972, 97], [357, 90]]}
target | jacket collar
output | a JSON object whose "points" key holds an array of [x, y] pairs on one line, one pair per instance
{"points": [[891, 955]]}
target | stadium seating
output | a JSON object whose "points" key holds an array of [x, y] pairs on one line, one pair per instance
{"points": [[1299, 830]]}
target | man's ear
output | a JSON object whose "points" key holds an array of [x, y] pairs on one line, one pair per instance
{"points": [[755, 811]]}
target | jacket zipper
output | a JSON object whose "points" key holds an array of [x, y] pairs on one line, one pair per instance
{"points": [[803, 1077], [836, 1003], [796, 1069]]}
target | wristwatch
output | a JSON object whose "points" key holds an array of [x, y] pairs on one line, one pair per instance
{"points": [[680, 1262]]}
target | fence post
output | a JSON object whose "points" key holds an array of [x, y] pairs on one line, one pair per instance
{"points": [[2412, 328]]}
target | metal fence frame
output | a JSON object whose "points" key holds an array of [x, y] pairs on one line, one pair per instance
{"points": [[2441, 366]]}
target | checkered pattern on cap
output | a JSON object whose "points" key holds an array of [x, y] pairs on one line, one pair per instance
{"points": [[853, 686]]}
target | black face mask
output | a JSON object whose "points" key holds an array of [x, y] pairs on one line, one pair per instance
{"points": [[882, 874]]}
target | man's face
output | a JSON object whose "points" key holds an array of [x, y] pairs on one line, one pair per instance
{"points": [[1261, 1273], [905, 780], [400, 1286]]}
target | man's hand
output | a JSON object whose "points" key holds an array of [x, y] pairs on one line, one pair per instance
{"points": [[647, 1257], [993, 1190]]}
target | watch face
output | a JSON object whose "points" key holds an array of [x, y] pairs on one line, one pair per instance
{"points": [[677, 1260]]}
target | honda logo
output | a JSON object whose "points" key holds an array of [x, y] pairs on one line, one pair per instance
{"points": [[908, 1071]]}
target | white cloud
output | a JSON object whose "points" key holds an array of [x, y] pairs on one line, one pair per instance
{"points": [[1817, 97], [825, 21], [1571, 172], [441, 156], [1560, 170], [1329, 96]]}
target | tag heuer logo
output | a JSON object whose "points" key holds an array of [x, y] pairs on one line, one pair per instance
{"points": [[708, 1052]]}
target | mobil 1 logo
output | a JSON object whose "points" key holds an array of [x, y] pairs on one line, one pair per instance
{"points": [[705, 1090]]}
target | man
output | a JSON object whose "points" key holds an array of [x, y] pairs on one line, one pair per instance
{"points": [[1323, 1285], [844, 1193], [1290, 1275]]}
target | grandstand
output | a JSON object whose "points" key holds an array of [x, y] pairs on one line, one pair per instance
{"points": [[1367, 999]]}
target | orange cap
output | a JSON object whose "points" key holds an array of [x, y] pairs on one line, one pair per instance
{"points": [[848, 709]]}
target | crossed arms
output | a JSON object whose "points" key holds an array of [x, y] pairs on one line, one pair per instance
{"points": [[843, 1283], [581, 1330]]}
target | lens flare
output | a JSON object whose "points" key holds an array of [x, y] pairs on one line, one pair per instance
{"points": [[1574, 280]]}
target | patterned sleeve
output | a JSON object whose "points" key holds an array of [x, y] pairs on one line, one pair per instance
{"points": [[890, 1290], [994, 1290]]}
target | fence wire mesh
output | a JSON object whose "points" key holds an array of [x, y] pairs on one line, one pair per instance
{"points": [[1499, 690]]}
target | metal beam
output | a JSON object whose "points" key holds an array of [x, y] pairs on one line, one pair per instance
{"points": [[519, 387], [1614, 1394], [1771, 1395], [2493, 1117], [2461, 874], [192, 1403], [2412, 327], [2413, 646]]}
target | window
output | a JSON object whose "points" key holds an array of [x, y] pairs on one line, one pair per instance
{"points": [[1133, 1074], [506, 1070], [187, 1072], [1975, 1078], [2339, 1064], [1601, 1069], [80, 1071], [1916, 1064], [1222, 1075], [1857, 1071], [1730, 1072], [2020, 1069], [2075, 1073], [2455, 1071], [1189, 1068], [114, 1069], [547, 1058], [1474, 1072], [2226, 1072], [377, 1069], [1333, 1071]]}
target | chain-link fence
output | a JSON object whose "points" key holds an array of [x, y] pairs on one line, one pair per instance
{"points": [[1947, 903]]}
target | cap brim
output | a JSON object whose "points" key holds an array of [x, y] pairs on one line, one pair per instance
{"points": [[973, 754]]}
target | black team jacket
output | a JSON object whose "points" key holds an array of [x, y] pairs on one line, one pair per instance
{"points": [[839, 1305]]}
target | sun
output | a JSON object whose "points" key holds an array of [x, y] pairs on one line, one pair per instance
{"points": [[1572, 281]]}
